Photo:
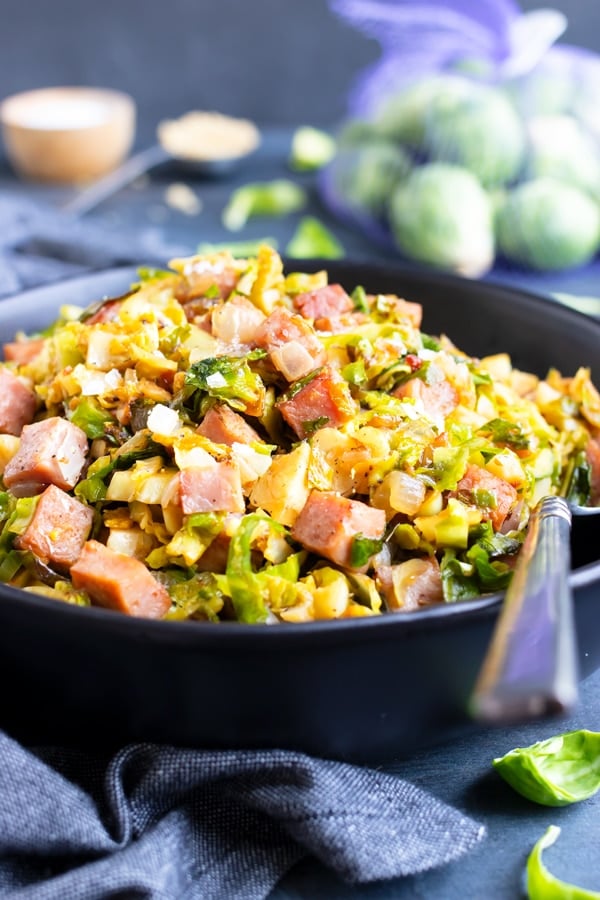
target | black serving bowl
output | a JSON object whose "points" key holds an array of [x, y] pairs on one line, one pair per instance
{"points": [[355, 689]]}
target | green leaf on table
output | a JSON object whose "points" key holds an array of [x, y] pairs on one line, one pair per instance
{"points": [[311, 149], [541, 884], [267, 198], [556, 772], [312, 240]]}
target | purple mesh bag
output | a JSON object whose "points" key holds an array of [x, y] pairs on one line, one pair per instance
{"points": [[490, 41]]}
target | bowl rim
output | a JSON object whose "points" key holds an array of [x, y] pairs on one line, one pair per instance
{"points": [[330, 631], [112, 99]]}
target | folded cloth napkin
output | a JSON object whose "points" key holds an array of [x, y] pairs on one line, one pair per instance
{"points": [[160, 822], [39, 245]]}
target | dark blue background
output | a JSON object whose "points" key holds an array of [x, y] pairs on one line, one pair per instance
{"points": [[277, 61]]}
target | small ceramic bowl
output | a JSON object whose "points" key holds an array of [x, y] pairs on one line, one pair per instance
{"points": [[67, 134]]}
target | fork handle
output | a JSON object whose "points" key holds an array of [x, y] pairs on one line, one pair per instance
{"points": [[530, 668]]}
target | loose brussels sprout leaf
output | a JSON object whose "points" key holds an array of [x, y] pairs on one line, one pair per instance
{"points": [[312, 240], [89, 416], [542, 885], [269, 198], [502, 431], [459, 580], [311, 149], [227, 378], [578, 480], [561, 770], [244, 585], [363, 548], [359, 298]]}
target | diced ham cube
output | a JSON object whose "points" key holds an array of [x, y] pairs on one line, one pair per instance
{"points": [[58, 530], [328, 524], [325, 401], [439, 398], [215, 488], [202, 275], [410, 585], [52, 451], [17, 403], [119, 582], [349, 321], [23, 352], [236, 321], [107, 312], [477, 478], [282, 329], [224, 426], [406, 309], [329, 301]]}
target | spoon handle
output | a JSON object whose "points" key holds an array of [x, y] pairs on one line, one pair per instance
{"points": [[88, 198], [530, 667]]}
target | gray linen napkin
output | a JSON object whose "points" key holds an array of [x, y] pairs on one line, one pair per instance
{"points": [[39, 245], [160, 822]]}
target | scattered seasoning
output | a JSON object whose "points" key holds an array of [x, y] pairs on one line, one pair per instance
{"points": [[182, 198]]}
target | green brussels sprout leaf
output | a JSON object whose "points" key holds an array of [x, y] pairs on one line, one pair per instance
{"points": [[556, 772], [541, 884], [269, 198], [311, 149], [312, 240]]}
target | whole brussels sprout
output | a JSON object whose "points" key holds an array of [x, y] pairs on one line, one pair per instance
{"points": [[449, 118], [480, 131], [442, 216], [560, 148], [404, 116], [544, 91], [357, 132], [547, 224], [364, 177]]}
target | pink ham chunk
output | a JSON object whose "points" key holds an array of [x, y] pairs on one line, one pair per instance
{"points": [[224, 426], [58, 530], [119, 582], [215, 488], [327, 302], [23, 352], [478, 479], [17, 403], [406, 309], [52, 451], [439, 399], [329, 523], [291, 343], [202, 276], [325, 401]]}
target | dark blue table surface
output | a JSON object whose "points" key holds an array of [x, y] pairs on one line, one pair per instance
{"points": [[458, 772]]}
